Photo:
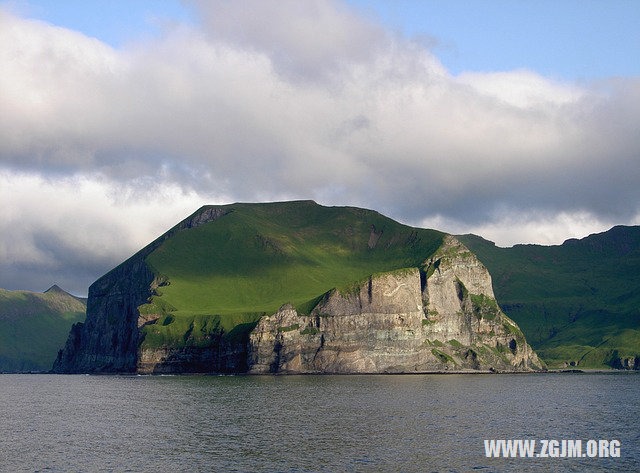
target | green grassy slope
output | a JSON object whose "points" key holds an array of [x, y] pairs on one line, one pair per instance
{"points": [[259, 256], [579, 301], [34, 326]]}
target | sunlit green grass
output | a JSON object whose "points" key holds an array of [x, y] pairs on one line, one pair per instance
{"points": [[260, 256]]}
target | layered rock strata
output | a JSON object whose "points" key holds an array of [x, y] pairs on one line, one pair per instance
{"points": [[108, 341], [442, 316]]}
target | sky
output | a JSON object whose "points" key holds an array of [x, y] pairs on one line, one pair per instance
{"points": [[514, 120]]}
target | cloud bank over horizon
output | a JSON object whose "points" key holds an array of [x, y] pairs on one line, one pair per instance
{"points": [[102, 149]]}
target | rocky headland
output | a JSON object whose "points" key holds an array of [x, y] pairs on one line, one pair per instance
{"points": [[439, 315]]}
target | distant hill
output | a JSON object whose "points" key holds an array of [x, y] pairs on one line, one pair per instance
{"points": [[34, 326], [576, 302]]}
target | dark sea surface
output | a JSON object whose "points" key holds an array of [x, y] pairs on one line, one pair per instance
{"points": [[389, 423]]}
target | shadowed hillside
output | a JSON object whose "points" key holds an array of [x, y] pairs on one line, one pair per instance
{"points": [[576, 302], [34, 326]]}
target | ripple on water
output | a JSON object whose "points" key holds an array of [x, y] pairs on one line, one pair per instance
{"points": [[310, 423]]}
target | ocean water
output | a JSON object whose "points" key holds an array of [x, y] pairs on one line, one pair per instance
{"points": [[409, 423]]}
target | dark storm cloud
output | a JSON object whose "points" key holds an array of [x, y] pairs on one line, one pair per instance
{"points": [[71, 276], [58, 261]]}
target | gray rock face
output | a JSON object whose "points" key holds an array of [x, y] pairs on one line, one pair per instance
{"points": [[220, 357], [626, 363], [440, 317], [460, 305], [406, 321], [372, 328], [108, 340]]}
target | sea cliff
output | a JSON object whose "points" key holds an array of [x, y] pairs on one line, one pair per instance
{"points": [[444, 318], [437, 314]]}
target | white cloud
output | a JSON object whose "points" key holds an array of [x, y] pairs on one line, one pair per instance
{"points": [[537, 228], [523, 89], [82, 224], [272, 100], [309, 40]]}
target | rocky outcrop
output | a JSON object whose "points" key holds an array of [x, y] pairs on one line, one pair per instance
{"points": [[221, 356], [441, 318], [625, 362], [108, 340], [460, 305], [369, 328]]}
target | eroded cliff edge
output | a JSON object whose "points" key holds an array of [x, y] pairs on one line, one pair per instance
{"points": [[442, 317], [109, 339]]}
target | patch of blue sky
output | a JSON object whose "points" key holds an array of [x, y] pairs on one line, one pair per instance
{"points": [[565, 39], [114, 22]]}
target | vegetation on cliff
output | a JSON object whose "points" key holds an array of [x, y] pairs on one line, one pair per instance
{"points": [[190, 299], [577, 303], [225, 275]]}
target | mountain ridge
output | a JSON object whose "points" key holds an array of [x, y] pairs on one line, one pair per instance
{"points": [[578, 302], [198, 291]]}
